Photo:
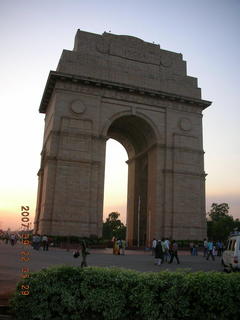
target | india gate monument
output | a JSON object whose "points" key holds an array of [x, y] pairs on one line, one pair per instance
{"points": [[121, 87]]}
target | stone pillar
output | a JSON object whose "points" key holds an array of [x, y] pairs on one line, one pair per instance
{"points": [[70, 200], [130, 201]]}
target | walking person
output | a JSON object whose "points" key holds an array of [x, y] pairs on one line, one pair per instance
{"points": [[17, 237], [163, 248], [84, 254], [210, 250], [191, 248], [45, 242], [6, 238], [167, 253], [214, 252], [114, 241], [37, 242], [13, 239], [123, 247], [219, 248], [154, 244], [159, 255], [196, 249], [34, 241], [119, 242], [115, 246], [205, 247], [174, 251]]}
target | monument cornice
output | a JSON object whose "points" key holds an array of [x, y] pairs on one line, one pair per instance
{"points": [[55, 76], [65, 159], [184, 172]]}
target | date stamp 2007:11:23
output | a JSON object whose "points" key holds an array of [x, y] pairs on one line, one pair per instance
{"points": [[25, 253]]}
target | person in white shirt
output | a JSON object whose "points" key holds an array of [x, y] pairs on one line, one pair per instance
{"points": [[205, 247], [45, 243], [167, 254], [154, 244]]}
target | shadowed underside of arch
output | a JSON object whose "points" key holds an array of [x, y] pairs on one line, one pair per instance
{"points": [[134, 133]]}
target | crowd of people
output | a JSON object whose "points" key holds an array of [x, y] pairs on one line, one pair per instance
{"points": [[165, 250], [216, 248], [213, 249], [119, 246], [40, 241], [36, 240], [11, 238]]}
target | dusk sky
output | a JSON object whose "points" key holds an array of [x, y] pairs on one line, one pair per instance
{"points": [[33, 34]]}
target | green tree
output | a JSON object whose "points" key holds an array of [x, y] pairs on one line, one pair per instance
{"points": [[113, 227], [219, 222], [219, 211]]}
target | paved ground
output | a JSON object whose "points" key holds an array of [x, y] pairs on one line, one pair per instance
{"points": [[10, 264]]}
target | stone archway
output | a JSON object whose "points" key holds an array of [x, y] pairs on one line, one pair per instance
{"points": [[139, 140], [123, 88]]}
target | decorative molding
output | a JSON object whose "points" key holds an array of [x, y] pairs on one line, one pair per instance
{"points": [[195, 174], [186, 149], [77, 106], [127, 96], [58, 76], [55, 158], [185, 124]]}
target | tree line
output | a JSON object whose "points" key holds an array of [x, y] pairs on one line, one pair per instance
{"points": [[219, 224]]}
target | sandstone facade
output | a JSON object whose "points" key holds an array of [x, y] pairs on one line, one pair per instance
{"points": [[120, 87]]}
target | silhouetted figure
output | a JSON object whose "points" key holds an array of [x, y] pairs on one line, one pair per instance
{"points": [[174, 251], [45, 242], [159, 254], [84, 254], [13, 239], [205, 247], [154, 244]]}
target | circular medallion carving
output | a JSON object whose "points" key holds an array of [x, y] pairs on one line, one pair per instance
{"points": [[102, 46], [165, 61], [77, 106], [185, 124]]}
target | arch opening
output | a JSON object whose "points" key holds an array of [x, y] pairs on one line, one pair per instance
{"points": [[137, 137], [115, 181]]}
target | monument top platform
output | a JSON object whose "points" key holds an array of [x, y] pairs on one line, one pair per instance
{"points": [[126, 61], [129, 60]]}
